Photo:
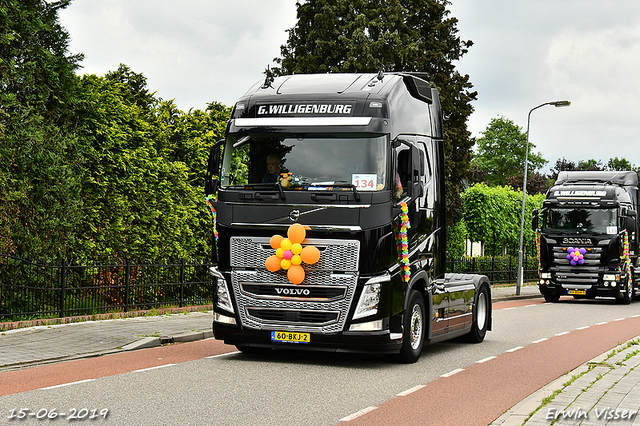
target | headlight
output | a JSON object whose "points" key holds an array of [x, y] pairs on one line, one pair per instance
{"points": [[545, 275], [367, 326], [223, 299], [610, 277], [223, 319], [370, 297]]}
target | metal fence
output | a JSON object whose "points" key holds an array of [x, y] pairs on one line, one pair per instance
{"points": [[32, 289], [499, 269]]}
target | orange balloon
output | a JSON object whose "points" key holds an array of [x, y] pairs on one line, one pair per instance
{"points": [[275, 241], [296, 233], [272, 263], [295, 274], [310, 255]]}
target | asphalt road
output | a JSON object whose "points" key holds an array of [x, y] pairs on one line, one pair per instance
{"points": [[197, 383]]}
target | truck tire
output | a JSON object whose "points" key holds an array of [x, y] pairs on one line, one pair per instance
{"points": [[551, 298], [481, 316], [414, 329], [625, 298]]}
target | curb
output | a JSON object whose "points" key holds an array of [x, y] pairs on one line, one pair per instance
{"points": [[154, 342], [14, 325]]}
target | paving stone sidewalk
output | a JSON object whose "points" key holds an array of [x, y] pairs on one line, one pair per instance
{"points": [[50, 343], [604, 391]]}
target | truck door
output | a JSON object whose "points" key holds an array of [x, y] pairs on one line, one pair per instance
{"points": [[413, 172]]}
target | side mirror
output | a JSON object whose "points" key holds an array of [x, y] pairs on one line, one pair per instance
{"points": [[534, 220], [211, 184], [631, 221]]}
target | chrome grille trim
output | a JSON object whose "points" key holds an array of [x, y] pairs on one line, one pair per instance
{"points": [[335, 255], [255, 312], [267, 291], [336, 269]]}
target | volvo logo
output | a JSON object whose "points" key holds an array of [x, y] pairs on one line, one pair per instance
{"points": [[294, 215], [581, 241], [293, 291]]}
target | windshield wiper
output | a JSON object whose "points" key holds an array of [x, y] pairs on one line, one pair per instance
{"points": [[261, 185], [340, 184]]}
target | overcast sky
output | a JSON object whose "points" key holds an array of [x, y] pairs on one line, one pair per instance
{"points": [[525, 53]]}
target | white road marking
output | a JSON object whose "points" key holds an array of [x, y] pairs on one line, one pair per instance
{"points": [[489, 358], [451, 373], [540, 340], [358, 414], [152, 368], [67, 384], [408, 391], [517, 348], [221, 355]]}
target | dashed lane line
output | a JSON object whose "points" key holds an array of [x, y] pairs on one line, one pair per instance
{"points": [[221, 355], [412, 390], [67, 384], [482, 361], [152, 368], [451, 373], [358, 414]]}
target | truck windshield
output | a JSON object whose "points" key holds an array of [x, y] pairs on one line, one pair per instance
{"points": [[577, 220], [306, 161]]}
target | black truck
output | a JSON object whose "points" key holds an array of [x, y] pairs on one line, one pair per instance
{"points": [[586, 236], [330, 220]]}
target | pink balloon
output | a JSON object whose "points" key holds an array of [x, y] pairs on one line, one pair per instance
{"points": [[288, 254]]}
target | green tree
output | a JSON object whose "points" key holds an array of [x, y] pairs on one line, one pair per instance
{"points": [[616, 163], [146, 162], [397, 35], [501, 152], [41, 163], [492, 216]]}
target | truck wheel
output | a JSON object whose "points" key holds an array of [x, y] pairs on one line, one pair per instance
{"points": [[551, 298], [481, 317], [414, 325], [625, 298]]}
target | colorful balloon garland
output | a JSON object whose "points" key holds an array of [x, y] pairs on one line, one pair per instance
{"points": [[215, 216], [402, 242], [290, 254], [538, 249], [625, 256]]}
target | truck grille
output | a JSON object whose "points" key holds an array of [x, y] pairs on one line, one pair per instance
{"points": [[586, 274], [268, 300]]}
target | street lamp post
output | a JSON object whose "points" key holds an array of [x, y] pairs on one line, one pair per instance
{"points": [[524, 189]]}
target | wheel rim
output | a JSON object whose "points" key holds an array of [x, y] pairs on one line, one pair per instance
{"points": [[481, 310], [416, 327]]}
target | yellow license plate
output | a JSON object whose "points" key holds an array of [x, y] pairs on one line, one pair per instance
{"points": [[288, 337], [578, 292]]}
